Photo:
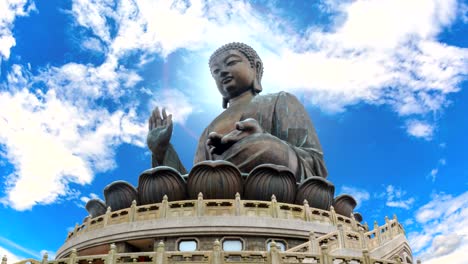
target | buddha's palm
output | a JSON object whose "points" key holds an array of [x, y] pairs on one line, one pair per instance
{"points": [[160, 131]]}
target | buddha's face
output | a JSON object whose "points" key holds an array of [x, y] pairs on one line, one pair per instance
{"points": [[233, 73]]}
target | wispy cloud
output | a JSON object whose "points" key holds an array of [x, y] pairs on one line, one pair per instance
{"points": [[395, 198], [10, 244], [443, 237], [420, 129], [435, 171]]}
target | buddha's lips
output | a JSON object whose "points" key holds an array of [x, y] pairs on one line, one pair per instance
{"points": [[227, 80]]}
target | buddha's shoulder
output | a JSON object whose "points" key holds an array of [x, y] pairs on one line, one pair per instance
{"points": [[274, 97]]}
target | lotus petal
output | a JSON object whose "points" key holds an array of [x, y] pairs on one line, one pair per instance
{"points": [[216, 179], [119, 195], [269, 179], [317, 191], [154, 183]]}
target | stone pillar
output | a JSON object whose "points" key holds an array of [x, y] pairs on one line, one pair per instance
{"points": [[363, 238], [274, 207], [314, 246], [45, 258], [237, 204], [107, 216], [366, 256], [131, 215], [307, 213], [333, 218], [377, 232], [217, 257], [353, 222], [325, 258], [72, 258], [389, 228], [341, 237], [164, 207], [200, 205], [160, 251], [4, 259], [111, 255], [274, 253]]}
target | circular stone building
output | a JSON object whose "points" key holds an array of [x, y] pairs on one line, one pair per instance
{"points": [[216, 217]]}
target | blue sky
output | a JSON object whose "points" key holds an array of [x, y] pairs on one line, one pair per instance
{"points": [[384, 81]]}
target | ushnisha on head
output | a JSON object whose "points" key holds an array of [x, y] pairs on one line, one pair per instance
{"points": [[247, 74]]}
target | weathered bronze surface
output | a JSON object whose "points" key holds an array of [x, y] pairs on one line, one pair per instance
{"points": [[317, 191], [358, 217], [95, 207], [119, 195], [269, 179], [344, 204], [154, 183], [215, 180], [253, 130]]}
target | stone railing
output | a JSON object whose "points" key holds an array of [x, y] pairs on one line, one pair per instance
{"points": [[350, 239], [227, 207], [215, 256]]}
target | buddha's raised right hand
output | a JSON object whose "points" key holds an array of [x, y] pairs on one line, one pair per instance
{"points": [[160, 132]]}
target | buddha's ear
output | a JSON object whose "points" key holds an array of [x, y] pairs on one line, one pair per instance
{"points": [[225, 102], [257, 85]]}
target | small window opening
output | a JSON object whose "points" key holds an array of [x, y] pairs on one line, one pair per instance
{"points": [[188, 245]]}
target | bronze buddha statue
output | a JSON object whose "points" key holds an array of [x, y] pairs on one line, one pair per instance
{"points": [[253, 129]]}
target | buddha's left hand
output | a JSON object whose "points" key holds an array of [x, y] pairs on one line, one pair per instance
{"points": [[243, 129]]}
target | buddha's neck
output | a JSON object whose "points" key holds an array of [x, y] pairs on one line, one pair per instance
{"points": [[243, 98]]}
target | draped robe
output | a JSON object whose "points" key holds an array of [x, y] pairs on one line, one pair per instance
{"points": [[289, 135]]}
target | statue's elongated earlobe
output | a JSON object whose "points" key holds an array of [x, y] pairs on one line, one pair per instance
{"points": [[225, 102]]}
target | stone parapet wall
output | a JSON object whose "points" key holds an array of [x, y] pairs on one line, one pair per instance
{"points": [[218, 256], [226, 207]]}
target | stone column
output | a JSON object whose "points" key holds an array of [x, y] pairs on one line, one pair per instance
{"points": [[237, 204], [314, 246], [111, 255], [160, 251], [274, 207], [325, 258], [217, 257], [72, 258], [107, 216], [45, 258], [307, 213], [4, 259], [200, 205], [274, 253], [131, 215], [164, 207]]}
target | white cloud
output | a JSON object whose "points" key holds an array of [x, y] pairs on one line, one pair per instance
{"points": [[419, 129], [85, 199], [11, 258], [9, 10], [175, 102], [359, 195], [53, 142], [435, 171], [443, 237], [395, 198], [401, 64], [12, 245], [380, 52]]}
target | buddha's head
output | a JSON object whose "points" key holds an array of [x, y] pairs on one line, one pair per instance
{"points": [[236, 69]]}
